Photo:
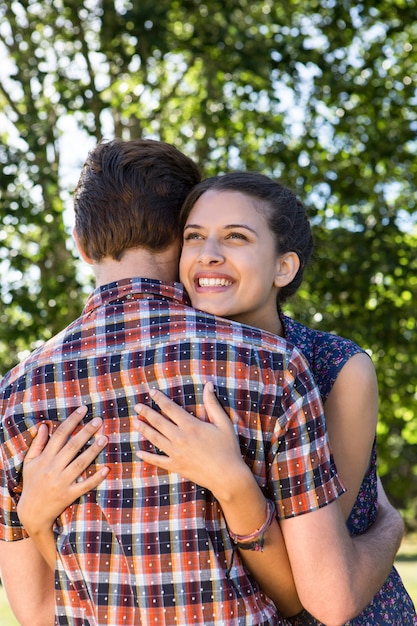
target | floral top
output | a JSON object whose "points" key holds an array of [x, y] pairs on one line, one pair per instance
{"points": [[327, 354]]}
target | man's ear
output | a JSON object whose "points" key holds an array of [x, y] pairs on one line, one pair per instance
{"points": [[287, 267], [81, 251]]}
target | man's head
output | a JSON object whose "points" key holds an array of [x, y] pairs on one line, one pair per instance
{"points": [[129, 195]]}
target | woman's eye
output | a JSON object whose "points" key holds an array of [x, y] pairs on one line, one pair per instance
{"points": [[236, 235], [190, 236]]}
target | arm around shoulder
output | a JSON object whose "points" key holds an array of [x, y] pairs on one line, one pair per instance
{"points": [[336, 575], [352, 407]]}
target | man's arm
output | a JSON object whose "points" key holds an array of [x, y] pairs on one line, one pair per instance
{"points": [[336, 575], [28, 582]]}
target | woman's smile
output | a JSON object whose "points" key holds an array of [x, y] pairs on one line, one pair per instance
{"points": [[229, 260], [211, 281]]}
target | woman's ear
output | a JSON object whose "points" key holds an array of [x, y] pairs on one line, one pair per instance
{"points": [[83, 254], [287, 267]]}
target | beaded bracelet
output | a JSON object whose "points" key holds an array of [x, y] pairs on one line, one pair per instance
{"points": [[255, 541]]}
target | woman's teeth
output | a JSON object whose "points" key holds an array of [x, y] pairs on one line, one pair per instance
{"points": [[213, 282]]}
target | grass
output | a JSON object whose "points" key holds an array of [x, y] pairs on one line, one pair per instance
{"points": [[6, 616], [406, 564]]}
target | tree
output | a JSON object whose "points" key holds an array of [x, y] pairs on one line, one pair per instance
{"points": [[321, 94]]}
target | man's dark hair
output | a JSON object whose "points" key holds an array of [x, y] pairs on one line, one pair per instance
{"points": [[129, 195]]}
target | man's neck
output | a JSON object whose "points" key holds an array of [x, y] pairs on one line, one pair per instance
{"points": [[138, 262]]}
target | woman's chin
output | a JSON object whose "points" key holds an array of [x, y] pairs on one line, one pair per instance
{"points": [[209, 307]]}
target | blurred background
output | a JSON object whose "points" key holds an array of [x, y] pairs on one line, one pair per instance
{"points": [[320, 94]]}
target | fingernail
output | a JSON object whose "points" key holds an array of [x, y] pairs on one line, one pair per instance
{"points": [[96, 422], [81, 409], [102, 440]]}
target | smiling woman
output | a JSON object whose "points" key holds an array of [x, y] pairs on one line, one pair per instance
{"points": [[232, 264], [246, 243], [229, 265]]}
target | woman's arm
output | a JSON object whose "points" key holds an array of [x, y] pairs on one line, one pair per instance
{"points": [[28, 582], [208, 454], [351, 411], [51, 482], [49, 475]]}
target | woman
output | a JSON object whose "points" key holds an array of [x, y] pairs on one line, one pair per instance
{"points": [[228, 269], [246, 243]]}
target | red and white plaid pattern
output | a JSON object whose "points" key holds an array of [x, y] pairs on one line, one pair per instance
{"points": [[148, 547]]}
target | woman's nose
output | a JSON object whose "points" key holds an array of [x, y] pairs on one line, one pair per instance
{"points": [[210, 254]]}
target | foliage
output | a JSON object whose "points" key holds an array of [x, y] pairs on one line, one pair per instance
{"points": [[319, 93]]}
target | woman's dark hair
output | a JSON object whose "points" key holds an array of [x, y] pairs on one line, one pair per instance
{"points": [[284, 212]]}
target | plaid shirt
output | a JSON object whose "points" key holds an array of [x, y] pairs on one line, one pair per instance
{"points": [[148, 547]]}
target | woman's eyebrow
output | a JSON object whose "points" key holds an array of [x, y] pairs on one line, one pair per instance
{"points": [[226, 227]]}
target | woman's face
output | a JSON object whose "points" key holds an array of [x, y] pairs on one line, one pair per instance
{"points": [[229, 261]]}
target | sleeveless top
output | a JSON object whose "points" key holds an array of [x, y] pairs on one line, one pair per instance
{"points": [[326, 354]]}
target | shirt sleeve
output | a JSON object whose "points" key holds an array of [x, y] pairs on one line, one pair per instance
{"points": [[14, 442], [302, 471], [10, 527]]}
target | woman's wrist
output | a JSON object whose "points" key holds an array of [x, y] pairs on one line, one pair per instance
{"points": [[38, 530], [256, 539], [33, 524], [239, 479], [242, 501]]}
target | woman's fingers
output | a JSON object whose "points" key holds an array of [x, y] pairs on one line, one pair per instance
{"points": [[161, 431], [84, 485], [60, 436], [52, 469], [153, 428], [50, 446], [66, 445], [202, 451], [215, 412], [174, 411], [166, 429], [76, 442], [159, 460], [67, 427], [61, 455], [81, 462], [180, 416], [38, 444]]}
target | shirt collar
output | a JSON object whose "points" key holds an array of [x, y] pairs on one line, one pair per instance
{"points": [[140, 288]]}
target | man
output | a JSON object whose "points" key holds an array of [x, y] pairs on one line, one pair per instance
{"points": [[148, 547]]}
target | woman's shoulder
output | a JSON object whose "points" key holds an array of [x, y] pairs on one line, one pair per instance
{"points": [[325, 352]]}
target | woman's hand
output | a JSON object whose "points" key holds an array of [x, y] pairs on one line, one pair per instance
{"points": [[52, 470], [202, 452], [208, 453]]}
